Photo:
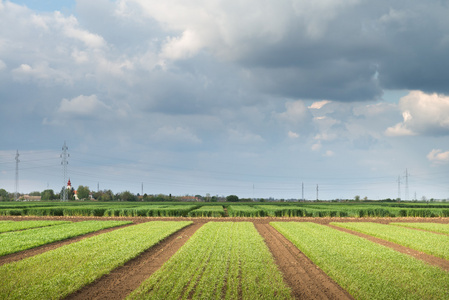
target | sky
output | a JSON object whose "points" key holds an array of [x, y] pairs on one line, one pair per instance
{"points": [[287, 99]]}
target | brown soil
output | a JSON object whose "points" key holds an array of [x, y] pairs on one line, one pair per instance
{"points": [[306, 280], [123, 280], [430, 259]]}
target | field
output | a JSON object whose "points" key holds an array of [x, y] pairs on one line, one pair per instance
{"points": [[265, 252], [227, 209]]}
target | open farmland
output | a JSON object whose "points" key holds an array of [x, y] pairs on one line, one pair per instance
{"points": [[298, 268]]}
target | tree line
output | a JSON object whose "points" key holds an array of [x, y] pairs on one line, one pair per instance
{"points": [[85, 194]]}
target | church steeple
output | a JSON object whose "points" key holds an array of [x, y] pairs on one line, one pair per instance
{"points": [[69, 185]]}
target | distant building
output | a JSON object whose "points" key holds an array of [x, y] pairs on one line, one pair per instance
{"points": [[30, 198]]}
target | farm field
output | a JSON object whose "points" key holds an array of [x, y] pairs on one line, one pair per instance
{"points": [[226, 209], [242, 242], [7, 226], [59, 272], [427, 242], [222, 260], [11, 242], [365, 269]]}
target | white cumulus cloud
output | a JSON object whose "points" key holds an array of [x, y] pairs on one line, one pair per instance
{"points": [[423, 114], [83, 106], [437, 156]]}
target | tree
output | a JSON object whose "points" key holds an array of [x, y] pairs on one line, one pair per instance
{"points": [[105, 195], [34, 194], [4, 195], [70, 193], [128, 196], [48, 195], [83, 192], [232, 198]]}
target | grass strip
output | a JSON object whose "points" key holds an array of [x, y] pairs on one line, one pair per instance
{"points": [[21, 225], [365, 269], [435, 227], [427, 242], [57, 273], [11, 242], [222, 260]]}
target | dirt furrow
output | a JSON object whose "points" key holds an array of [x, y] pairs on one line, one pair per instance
{"points": [[430, 259], [305, 279], [123, 280], [47, 247]]}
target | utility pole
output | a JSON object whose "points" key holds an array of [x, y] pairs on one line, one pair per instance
{"points": [[64, 156], [406, 184], [17, 176], [142, 190], [399, 188], [317, 192]]}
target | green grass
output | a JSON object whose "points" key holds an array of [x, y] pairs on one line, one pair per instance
{"points": [[435, 227], [222, 260], [427, 242], [58, 273], [21, 225], [11, 242], [365, 269], [208, 211]]}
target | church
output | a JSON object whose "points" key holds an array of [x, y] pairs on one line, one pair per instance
{"points": [[69, 187]]}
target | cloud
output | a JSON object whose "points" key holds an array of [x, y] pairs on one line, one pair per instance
{"points": [[296, 112], [243, 137], [423, 114], [293, 135], [319, 104], [175, 135], [41, 73], [437, 156], [83, 106]]}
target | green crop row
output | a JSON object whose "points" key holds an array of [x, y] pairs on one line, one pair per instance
{"points": [[208, 211], [435, 227], [11, 242], [21, 225], [427, 242], [365, 269], [245, 211], [58, 273], [282, 211], [220, 261]]}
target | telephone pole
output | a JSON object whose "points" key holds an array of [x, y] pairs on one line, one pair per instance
{"points": [[17, 176], [64, 162], [317, 192]]}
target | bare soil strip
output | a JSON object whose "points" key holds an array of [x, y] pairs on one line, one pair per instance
{"points": [[305, 279], [47, 247], [123, 280], [430, 259]]}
